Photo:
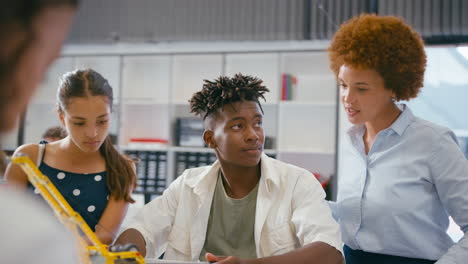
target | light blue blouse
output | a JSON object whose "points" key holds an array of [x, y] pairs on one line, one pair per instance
{"points": [[397, 199]]}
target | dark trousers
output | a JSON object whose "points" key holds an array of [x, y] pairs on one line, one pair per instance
{"points": [[361, 257]]}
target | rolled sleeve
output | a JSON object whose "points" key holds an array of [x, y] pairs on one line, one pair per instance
{"points": [[154, 221]]}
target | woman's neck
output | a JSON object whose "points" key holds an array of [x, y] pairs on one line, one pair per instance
{"points": [[380, 123]]}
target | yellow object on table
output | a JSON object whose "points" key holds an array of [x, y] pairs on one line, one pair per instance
{"points": [[72, 220]]}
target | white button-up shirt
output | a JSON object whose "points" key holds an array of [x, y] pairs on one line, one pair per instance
{"points": [[291, 212]]}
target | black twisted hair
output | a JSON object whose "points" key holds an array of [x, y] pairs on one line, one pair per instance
{"points": [[224, 91]]}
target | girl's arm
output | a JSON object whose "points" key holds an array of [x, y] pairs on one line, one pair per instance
{"points": [[112, 218], [109, 224], [14, 174]]}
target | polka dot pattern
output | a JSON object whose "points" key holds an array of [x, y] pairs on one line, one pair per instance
{"points": [[87, 193], [91, 208], [60, 175]]}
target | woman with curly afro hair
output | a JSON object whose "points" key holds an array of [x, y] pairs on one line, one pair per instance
{"points": [[402, 176]]}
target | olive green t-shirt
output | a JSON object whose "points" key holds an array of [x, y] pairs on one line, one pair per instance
{"points": [[231, 224]]}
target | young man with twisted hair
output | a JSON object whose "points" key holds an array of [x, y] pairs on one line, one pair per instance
{"points": [[244, 208]]}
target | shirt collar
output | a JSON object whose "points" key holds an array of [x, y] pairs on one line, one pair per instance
{"points": [[399, 126], [206, 178], [269, 173], [403, 121]]}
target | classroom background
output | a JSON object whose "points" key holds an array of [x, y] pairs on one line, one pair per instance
{"points": [[156, 53]]}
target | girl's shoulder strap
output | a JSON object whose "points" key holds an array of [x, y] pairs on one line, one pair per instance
{"points": [[40, 153]]}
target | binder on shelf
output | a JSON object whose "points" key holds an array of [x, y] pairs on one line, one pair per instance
{"points": [[151, 172], [288, 85], [187, 160], [189, 132]]}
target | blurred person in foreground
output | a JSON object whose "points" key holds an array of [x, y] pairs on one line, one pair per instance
{"points": [[31, 33]]}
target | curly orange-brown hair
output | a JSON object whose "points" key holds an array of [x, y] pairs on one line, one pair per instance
{"points": [[385, 44]]}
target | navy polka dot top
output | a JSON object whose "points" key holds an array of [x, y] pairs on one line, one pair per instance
{"points": [[86, 193]]}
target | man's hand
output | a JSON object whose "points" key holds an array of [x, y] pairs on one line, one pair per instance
{"points": [[223, 259], [315, 252], [133, 237], [122, 248]]}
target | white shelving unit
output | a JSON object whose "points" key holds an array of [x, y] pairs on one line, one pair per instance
{"points": [[108, 66], [153, 84], [188, 72], [149, 77], [263, 65]]}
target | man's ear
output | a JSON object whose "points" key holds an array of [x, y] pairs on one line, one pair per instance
{"points": [[209, 139]]}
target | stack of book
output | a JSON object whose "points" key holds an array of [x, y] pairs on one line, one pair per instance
{"points": [[288, 84]]}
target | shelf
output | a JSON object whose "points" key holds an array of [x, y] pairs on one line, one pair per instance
{"points": [[200, 149], [146, 77], [145, 147], [149, 147], [303, 103], [306, 64], [153, 84], [306, 126], [313, 161], [49, 85], [143, 101], [261, 65], [39, 117], [181, 103], [186, 103], [189, 71], [144, 121], [107, 66], [193, 47], [263, 103], [306, 151], [266, 104], [191, 149]]}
